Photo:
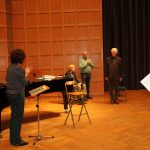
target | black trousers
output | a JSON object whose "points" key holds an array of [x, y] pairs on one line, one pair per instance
{"points": [[17, 110], [86, 78], [65, 99], [113, 89]]}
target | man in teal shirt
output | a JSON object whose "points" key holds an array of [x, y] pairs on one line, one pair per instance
{"points": [[86, 65]]}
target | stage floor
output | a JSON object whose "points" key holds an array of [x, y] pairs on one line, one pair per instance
{"points": [[114, 127]]}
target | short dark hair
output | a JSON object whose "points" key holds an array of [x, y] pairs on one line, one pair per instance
{"points": [[17, 56]]}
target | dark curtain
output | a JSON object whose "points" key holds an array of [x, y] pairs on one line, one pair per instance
{"points": [[126, 26]]}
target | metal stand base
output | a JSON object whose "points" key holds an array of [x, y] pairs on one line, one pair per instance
{"points": [[38, 137]]}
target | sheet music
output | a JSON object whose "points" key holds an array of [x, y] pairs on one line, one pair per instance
{"points": [[49, 77], [146, 82]]}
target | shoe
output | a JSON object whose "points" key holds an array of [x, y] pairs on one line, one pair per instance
{"points": [[116, 102], [112, 102], [21, 143], [89, 97], [86, 99]]}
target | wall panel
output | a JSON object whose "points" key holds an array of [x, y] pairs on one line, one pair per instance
{"points": [[69, 18], [33, 61], [44, 19], [31, 34], [18, 20], [58, 62], [55, 32], [57, 48], [82, 17], [43, 5], [44, 48], [69, 47], [95, 4], [82, 45], [56, 5], [30, 5], [82, 5], [44, 34], [32, 48], [19, 35], [31, 20], [56, 19], [6, 37], [45, 62], [70, 59], [69, 32]]}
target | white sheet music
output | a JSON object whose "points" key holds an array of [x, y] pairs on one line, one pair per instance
{"points": [[146, 82], [49, 77]]}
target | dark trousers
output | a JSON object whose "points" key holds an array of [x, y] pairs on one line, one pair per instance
{"points": [[17, 109], [113, 89], [86, 78], [64, 94]]}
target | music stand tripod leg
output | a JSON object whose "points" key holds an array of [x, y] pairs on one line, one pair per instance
{"points": [[38, 137]]}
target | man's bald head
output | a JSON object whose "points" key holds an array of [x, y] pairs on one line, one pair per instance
{"points": [[84, 54], [114, 52]]}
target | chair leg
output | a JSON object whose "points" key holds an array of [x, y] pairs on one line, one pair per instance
{"points": [[67, 115], [72, 119], [80, 113], [70, 112], [86, 112]]}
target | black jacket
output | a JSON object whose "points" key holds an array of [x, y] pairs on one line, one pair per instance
{"points": [[72, 75], [114, 67]]}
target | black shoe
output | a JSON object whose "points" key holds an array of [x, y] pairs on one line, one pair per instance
{"points": [[116, 102], [86, 99], [21, 143], [89, 97], [112, 102]]}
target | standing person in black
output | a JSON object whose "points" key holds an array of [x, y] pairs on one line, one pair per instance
{"points": [[16, 81], [114, 74]]}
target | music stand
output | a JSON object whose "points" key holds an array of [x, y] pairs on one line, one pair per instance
{"points": [[36, 92]]}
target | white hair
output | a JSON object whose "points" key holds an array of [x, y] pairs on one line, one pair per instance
{"points": [[114, 50]]}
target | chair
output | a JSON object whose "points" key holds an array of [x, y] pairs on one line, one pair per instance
{"points": [[122, 89], [74, 97]]}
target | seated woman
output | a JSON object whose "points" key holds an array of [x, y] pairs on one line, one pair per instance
{"points": [[77, 87], [72, 74]]}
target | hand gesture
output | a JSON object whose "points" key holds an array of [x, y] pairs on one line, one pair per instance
{"points": [[27, 70], [88, 61]]}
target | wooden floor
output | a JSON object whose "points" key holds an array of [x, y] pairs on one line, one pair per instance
{"points": [[114, 127]]}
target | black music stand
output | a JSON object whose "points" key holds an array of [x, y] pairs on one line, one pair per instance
{"points": [[36, 92]]}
